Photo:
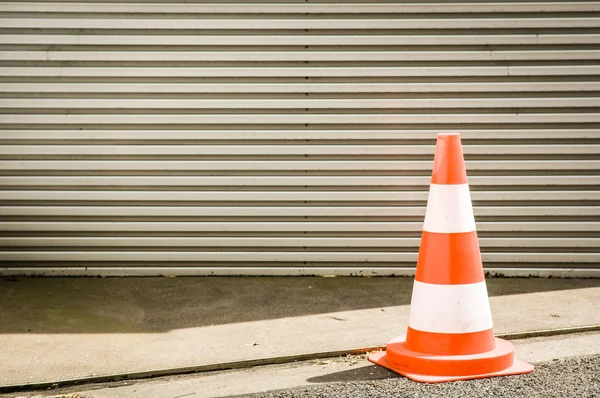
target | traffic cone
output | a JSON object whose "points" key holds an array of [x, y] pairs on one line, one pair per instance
{"points": [[450, 335]]}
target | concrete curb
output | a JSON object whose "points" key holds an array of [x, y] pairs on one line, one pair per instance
{"points": [[257, 362]]}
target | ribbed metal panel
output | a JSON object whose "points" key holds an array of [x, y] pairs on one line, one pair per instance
{"points": [[293, 137]]}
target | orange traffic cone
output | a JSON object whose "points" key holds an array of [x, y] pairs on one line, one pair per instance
{"points": [[450, 335]]}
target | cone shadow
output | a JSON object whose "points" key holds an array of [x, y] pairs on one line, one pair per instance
{"points": [[365, 373]]}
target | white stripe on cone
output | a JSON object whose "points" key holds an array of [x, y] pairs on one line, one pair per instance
{"points": [[449, 209], [450, 308]]}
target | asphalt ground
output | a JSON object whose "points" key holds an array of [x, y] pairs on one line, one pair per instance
{"points": [[573, 377]]}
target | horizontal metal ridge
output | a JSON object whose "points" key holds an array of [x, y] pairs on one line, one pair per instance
{"points": [[268, 226], [232, 104], [299, 56], [287, 165], [93, 7], [357, 87], [275, 211], [150, 195], [511, 117], [298, 149], [275, 257], [282, 134], [289, 181], [300, 40], [305, 71], [278, 242], [500, 22]]}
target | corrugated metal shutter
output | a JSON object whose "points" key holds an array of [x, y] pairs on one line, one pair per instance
{"points": [[293, 137]]}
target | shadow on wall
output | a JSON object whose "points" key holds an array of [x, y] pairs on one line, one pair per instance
{"points": [[157, 305]]}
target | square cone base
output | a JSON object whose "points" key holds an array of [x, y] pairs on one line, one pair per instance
{"points": [[427, 368]]}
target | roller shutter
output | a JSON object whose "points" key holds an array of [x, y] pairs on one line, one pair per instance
{"points": [[293, 137]]}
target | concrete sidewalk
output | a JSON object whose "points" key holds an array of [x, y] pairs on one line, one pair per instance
{"points": [[57, 329], [286, 378]]}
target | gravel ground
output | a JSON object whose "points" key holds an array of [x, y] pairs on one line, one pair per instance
{"points": [[577, 377]]}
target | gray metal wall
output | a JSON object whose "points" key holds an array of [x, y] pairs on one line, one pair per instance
{"points": [[293, 137]]}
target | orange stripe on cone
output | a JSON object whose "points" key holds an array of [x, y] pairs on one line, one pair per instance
{"points": [[446, 259], [450, 334], [450, 344], [448, 368]]}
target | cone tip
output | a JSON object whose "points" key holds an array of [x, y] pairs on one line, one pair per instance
{"points": [[448, 167], [449, 137]]}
